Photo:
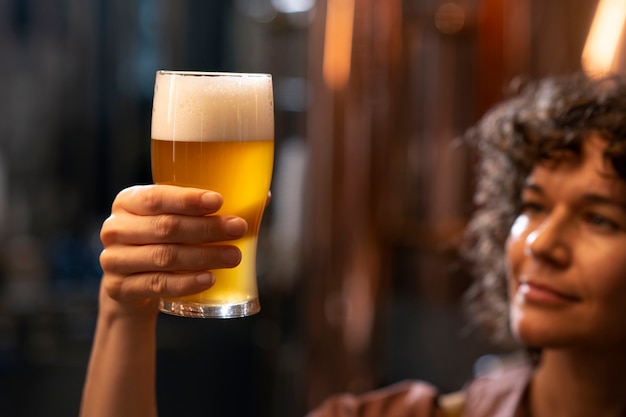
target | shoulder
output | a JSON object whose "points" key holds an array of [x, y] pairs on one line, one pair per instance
{"points": [[408, 398], [493, 393]]}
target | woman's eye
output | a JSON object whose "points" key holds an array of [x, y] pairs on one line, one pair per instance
{"points": [[532, 207], [601, 221]]}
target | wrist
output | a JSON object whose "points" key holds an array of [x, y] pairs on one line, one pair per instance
{"points": [[139, 312]]}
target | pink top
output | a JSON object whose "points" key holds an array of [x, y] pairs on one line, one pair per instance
{"points": [[497, 394]]}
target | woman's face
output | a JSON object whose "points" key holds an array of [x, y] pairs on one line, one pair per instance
{"points": [[566, 254]]}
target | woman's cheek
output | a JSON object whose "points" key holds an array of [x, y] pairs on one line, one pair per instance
{"points": [[514, 251], [519, 227]]}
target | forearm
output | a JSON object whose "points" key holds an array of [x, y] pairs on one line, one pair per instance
{"points": [[154, 246], [121, 374]]}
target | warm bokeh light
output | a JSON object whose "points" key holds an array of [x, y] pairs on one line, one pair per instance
{"points": [[604, 37], [338, 42], [450, 18]]}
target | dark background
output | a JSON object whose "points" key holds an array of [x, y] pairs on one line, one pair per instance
{"points": [[353, 298]]}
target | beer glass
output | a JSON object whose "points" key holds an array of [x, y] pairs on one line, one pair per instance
{"points": [[216, 131]]}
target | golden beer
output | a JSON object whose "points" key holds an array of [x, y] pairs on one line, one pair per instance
{"points": [[215, 131]]}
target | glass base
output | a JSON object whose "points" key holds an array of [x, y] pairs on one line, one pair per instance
{"points": [[195, 310]]}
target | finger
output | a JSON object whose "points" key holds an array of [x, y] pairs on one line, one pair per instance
{"points": [[170, 228], [154, 199], [129, 260], [150, 286]]}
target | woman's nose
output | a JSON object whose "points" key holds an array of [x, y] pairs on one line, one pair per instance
{"points": [[549, 241]]}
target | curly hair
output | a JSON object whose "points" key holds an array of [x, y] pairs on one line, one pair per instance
{"points": [[546, 116]]}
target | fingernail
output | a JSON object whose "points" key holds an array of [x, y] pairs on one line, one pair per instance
{"points": [[236, 227], [231, 256], [211, 200], [205, 278]]}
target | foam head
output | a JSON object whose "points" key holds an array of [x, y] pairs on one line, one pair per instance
{"points": [[197, 106]]}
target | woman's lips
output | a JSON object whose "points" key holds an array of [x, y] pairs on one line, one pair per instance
{"points": [[535, 293]]}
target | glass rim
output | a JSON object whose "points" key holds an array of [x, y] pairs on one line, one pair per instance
{"points": [[212, 73]]}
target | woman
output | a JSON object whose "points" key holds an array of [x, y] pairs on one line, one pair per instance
{"points": [[552, 198], [547, 244]]}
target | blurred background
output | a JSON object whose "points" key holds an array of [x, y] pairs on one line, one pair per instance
{"points": [[358, 257]]}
